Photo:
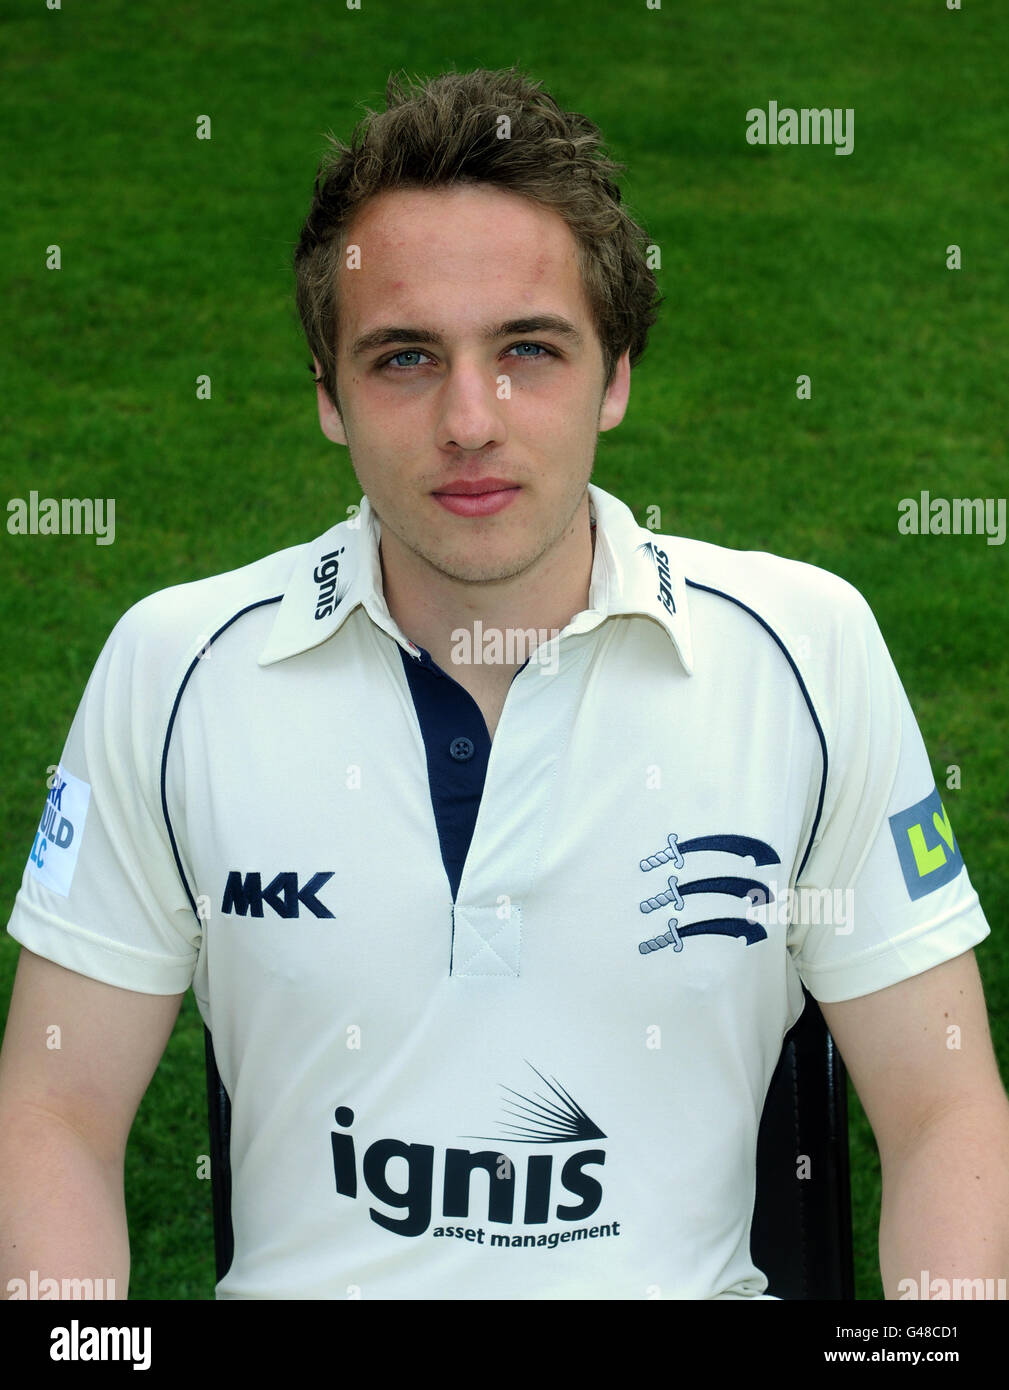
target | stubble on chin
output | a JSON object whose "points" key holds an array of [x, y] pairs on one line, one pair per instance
{"points": [[472, 567]]}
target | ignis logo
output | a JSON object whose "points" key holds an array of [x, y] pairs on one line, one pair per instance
{"points": [[325, 575], [406, 1177], [665, 594]]}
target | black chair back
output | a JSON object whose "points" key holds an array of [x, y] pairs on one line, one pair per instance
{"points": [[801, 1233]]}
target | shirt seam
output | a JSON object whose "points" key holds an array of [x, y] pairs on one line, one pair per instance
{"points": [[892, 943]]}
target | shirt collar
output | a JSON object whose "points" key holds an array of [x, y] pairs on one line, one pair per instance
{"points": [[633, 573]]}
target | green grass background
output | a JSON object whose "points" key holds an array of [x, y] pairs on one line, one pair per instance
{"points": [[775, 262]]}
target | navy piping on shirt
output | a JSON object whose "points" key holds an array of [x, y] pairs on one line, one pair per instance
{"points": [[805, 695], [168, 738]]}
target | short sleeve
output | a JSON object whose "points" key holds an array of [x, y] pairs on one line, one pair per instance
{"points": [[884, 893], [101, 893]]}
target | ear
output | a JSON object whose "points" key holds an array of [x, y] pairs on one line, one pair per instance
{"points": [[329, 417], [614, 403]]}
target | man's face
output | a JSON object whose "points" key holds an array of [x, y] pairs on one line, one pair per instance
{"points": [[467, 352]]}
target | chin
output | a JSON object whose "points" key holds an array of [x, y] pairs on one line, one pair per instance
{"points": [[481, 568]]}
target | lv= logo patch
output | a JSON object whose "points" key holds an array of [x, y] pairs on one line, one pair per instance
{"points": [[926, 846]]}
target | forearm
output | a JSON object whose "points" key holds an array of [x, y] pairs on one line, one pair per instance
{"points": [[945, 1209], [62, 1213]]}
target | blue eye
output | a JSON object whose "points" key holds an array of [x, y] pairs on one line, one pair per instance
{"points": [[407, 352], [530, 352]]}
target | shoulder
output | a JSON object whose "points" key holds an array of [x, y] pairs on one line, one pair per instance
{"points": [[821, 622], [816, 621], [781, 591], [162, 633]]}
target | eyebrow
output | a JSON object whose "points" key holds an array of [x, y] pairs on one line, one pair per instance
{"points": [[388, 334]]}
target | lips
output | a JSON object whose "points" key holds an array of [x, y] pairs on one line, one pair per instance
{"points": [[475, 488], [481, 497]]}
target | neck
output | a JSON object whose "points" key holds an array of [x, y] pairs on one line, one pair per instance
{"points": [[430, 606]]}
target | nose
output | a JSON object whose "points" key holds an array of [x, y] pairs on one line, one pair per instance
{"points": [[472, 408]]}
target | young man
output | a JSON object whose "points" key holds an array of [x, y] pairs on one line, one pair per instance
{"points": [[473, 823]]}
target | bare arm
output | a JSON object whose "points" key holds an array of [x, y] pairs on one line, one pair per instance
{"points": [[77, 1058], [921, 1060]]}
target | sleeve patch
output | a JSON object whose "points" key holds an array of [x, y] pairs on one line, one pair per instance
{"points": [[926, 846], [58, 839]]}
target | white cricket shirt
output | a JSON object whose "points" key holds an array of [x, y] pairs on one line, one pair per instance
{"points": [[498, 1020]]}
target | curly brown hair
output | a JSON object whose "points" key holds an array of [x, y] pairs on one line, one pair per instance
{"points": [[448, 130]]}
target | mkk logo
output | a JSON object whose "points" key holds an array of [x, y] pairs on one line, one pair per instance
{"points": [[245, 894], [926, 847]]}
